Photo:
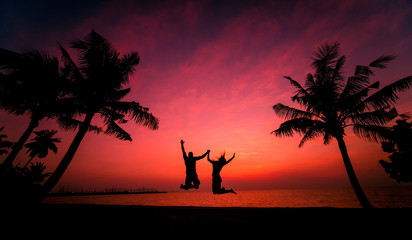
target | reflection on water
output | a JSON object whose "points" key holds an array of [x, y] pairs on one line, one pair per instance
{"points": [[340, 198]]}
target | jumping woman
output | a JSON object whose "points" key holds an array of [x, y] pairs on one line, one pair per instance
{"points": [[216, 179]]}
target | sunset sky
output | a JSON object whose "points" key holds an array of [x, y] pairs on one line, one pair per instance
{"points": [[211, 72]]}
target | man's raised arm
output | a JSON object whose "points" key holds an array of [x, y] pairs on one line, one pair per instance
{"points": [[183, 148], [200, 157]]}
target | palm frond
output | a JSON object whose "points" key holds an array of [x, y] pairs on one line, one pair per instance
{"points": [[298, 125], [378, 117], [53, 147], [327, 137], [351, 101], [294, 83], [95, 51], [27, 63], [337, 71], [116, 131], [310, 82], [365, 71], [72, 71], [356, 84], [138, 113], [120, 94], [324, 57], [111, 114], [128, 62], [382, 61], [67, 123], [371, 132], [287, 112], [40, 57], [387, 96], [92, 40], [301, 95], [327, 52], [315, 131]]}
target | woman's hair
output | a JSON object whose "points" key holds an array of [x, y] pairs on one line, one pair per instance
{"points": [[222, 157]]}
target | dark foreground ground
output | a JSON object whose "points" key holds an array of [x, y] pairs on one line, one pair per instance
{"points": [[59, 221]]}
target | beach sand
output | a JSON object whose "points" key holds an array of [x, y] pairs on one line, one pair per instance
{"points": [[203, 222]]}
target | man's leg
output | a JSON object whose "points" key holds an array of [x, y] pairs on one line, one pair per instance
{"points": [[188, 184], [196, 181]]}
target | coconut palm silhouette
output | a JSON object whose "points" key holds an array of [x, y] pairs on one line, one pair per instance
{"points": [[31, 84], [40, 145], [330, 105], [96, 85]]}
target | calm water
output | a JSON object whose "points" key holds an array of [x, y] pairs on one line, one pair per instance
{"points": [[340, 198]]}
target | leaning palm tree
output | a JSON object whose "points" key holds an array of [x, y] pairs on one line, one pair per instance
{"points": [[97, 87], [30, 83], [40, 145], [330, 104]]}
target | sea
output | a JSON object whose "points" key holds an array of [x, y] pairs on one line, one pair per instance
{"points": [[380, 197]]}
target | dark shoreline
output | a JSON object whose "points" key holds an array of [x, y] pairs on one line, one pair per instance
{"points": [[206, 222], [99, 193]]}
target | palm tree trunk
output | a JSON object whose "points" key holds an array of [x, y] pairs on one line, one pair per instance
{"points": [[352, 176], [28, 162], [34, 122], [61, 168]]}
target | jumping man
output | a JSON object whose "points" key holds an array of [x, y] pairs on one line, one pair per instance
{"points": [[191, 175]]}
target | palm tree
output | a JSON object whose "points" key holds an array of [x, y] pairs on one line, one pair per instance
{"points": [[31, 84], [97, 86], [40, 145], [36, 173], [331, 104], [4, 144]]}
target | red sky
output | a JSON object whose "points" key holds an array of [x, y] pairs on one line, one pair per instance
{"points": [[211, 71]]}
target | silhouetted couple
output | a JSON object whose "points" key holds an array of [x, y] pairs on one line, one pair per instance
{"points": [[192, 180]]}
